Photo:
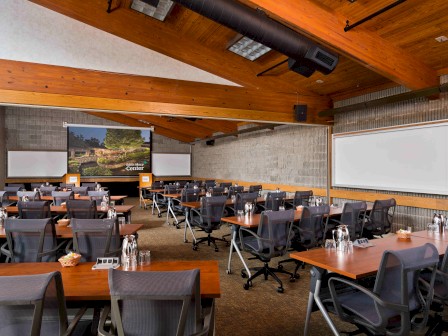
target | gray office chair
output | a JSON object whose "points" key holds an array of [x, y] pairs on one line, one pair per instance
{"points": [[90, 185], [30, 240], [156, 303], [31, 195], [235, 190], [162, 201], [60, 197], [4, 199], [208, 218], [34, 210], [256, 188], [353, 215], [81, 191], [217, 191], [95, 238], [274, 199], [35, 305], [21, 186], [37, 185], [63, 185], [12, 191], [225, 185], [271, 240], [300, 198], [98, 196], [380, 219], [187, 195], [396, 305], [209, 184], [84, 209], [46, 191], [243, 198]]}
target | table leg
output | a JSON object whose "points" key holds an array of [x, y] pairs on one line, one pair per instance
{"points": [[234, 245], [187, 224], [168, 211], [155, 205], [314, 296]]}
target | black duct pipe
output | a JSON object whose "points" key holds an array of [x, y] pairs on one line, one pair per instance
{"points": [[256, 25]]}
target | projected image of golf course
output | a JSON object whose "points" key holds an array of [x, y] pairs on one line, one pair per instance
{"points": [[108, 151]]}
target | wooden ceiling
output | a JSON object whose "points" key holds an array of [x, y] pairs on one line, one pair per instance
{"points": [[397, 47]]}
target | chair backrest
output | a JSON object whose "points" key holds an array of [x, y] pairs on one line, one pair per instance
{"points": [[12, 191], [397, 283], [63, 185], [353, 215], [310, 230], [46, 191], [15, 185], [60, 197], [274, 200], [82, 191], [95, 238], [302, 198], [210, 184], [181, 183], [256, 188], [170, 189], [89, 185], [217, 191], [170, 301], [34, 210], [191, 185], [31, 195], [243, 198], [157, 185], [32, 305], [29, 239], [4, 199], [235, 190], [225, 184], [84, 209], [189, 195], [212, 209], [98, 196], [382, 214], [37, 185], [276, 234]]}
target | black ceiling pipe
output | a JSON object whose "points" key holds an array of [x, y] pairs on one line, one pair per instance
{"points": [[256, 25]]}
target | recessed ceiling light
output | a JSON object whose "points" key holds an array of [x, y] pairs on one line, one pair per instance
{"points": [[158, 9], [319, 81], [249, 48], [441, 39]]}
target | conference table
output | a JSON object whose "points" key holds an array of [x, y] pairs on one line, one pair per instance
{"points": [[61, 210], [81, 283], [360, 263]]}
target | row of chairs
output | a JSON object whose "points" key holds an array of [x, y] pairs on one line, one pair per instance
{"points": [[62, 185]]}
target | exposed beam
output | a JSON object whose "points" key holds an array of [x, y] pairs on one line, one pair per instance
{"points": [[360, 45], [24, 76], [218, 125], [126, 120]]}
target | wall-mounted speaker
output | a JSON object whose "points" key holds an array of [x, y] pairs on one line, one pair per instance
{"points": [[300, 112], [210, 142]]}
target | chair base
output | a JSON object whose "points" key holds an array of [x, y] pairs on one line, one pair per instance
{"points": [[266, 271], [437, 326], [299, 264], [210, 240]]}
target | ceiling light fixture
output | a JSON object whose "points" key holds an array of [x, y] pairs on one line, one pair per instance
{"points": [[249, 48], [157, 9]]}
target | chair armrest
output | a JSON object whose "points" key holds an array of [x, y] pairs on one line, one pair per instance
{"points": [[253, 234], [4, 249], [104, 315], [71, 327], [195, 213]]}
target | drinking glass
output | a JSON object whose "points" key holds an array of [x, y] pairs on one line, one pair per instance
{"points": [[121, 220], [281, 208], [240, 213], [330, 244], [144, 257]]}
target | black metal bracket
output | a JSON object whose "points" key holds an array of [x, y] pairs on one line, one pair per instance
{"points": [[272, 67], [371, 16]]}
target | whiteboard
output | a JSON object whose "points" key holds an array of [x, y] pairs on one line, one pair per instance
{"points": [[409, 159], [36, 164], [171, 164]]}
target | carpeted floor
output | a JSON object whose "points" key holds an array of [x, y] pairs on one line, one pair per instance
{"points": [[261, 310]]}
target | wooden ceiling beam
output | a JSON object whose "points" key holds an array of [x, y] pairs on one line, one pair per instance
{"points": [[126, 120], [359, 44], [219, 125]]}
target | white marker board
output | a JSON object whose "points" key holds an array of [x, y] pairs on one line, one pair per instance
{"points": [[37, 164], [171, 164], [409, 159]]}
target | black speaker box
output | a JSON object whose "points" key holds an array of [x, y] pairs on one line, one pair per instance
{"points": [[302, 67], [300, 112], [210, 142]]}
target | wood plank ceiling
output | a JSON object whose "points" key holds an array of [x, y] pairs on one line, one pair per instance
{"points": [[395, 48]]}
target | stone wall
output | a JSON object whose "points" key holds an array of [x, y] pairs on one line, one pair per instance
{"points": [[2, 147]]}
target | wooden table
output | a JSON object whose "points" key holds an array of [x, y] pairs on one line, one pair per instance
{"points": [[361, 263], [66, 231], [60, 210], [116, 198], [431, 235], [82, 283]]}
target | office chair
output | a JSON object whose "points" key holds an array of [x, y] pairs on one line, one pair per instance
{"points": [[46, 191], [169, 301], [380, 219], [274, 200], [217, 191], [225, 185], [308, 232], [353, 215], [34, 210], [60, 197], [96, 238], [81, 191], [21, 186], [63, 185], [148, 195], [256, 188], [396, 305], [162, 201], [98, 196], [187, 195], [271, 240], [236, 190], [209, 184], [31, 195], [37, 185], [12, 191], [90, 185], [300, 198], [30, 240], [35, 305], [208, 218], [84, 209], [4, 199]]}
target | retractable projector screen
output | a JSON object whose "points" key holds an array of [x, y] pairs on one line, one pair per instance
{"points": [[409, 159], [171, 164], [37, 164]]}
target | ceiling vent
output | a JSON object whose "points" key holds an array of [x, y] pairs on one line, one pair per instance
{"points": [[256, 25], [157, 9]]}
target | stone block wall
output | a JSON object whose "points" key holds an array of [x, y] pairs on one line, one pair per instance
{"points": [[2, 147]]}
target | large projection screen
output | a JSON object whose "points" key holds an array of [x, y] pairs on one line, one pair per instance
{"points": [[37, 164], [171, 164], [409, 159]]}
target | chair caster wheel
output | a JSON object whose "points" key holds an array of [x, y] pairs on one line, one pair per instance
{"points": [[292, 279], [195, 248], [296, 276], [216, 250], [177, 226], [228, 271], [243, 274], [159, 215], [280, 267], [246, 286], [280, 290], [185, 241]]}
